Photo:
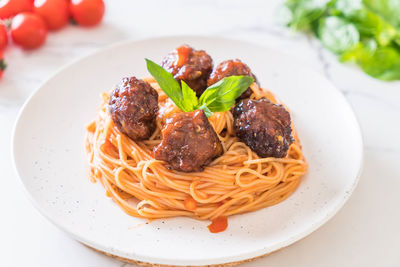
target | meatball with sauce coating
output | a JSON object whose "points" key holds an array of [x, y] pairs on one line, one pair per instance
{"points": [[263, 126], [133, 107], [189, 142], [189, 65], [232, 67]]}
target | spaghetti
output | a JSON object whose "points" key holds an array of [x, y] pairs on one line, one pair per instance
{"points": [[239, 181]]}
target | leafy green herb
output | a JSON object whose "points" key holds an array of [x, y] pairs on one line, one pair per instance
{"points": [[305, 12], [221, 96], [384, 64], [206, 110], [189, 96], [166, 81], [337, 34], [366, 32], [348, 8], [389, 10], [218, 97]]}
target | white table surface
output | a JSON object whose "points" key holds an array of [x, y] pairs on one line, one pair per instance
{"points": [[365, 232]]}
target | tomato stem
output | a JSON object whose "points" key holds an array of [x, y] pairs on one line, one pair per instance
{"points": [[3, 65]]}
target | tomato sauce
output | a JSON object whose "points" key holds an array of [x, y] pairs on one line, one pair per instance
{"points": [[219, 224], [190, 204], [183, 55]]}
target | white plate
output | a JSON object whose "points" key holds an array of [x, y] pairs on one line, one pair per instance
{"points": [[49, 158]]}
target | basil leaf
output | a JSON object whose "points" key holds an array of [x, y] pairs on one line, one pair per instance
{"points": [[206, 110], [337, 34], [190, 100], [366, 32], [371, 25], [364, 49], [349, 7], [384, 64], [166, 81], [216, 98], [221, 96], [304, 13], [388, 9]]}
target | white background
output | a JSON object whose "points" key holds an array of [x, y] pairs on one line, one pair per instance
{"points": [[365, 232]]}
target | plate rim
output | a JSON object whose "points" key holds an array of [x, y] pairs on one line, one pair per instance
{"points": [[215, 260]]}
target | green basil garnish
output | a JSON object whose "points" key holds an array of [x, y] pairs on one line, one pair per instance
{"points": [[218, 97]]}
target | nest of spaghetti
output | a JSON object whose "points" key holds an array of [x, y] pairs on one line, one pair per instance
{"points": [[235, 182]]}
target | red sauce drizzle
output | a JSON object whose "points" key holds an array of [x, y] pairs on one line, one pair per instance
{"points": [[183, 54], [190, 204], [218, 225]]}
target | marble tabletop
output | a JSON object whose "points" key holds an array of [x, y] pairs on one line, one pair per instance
{"points": [[364, 233]]}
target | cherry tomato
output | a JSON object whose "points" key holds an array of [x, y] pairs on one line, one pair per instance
{"points": [[10, 8], [2, 64], [3, 36], [54, 12], [87, 12], [28, 30]]}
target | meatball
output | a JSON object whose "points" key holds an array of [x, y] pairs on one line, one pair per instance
{"points": [[189, 65], [232, 67], [263, 126], [133, 106], [189, 142]]}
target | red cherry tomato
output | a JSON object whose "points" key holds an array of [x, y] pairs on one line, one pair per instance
{"points": [[87, 12], [54, 12], [3, 36], [28, 30], [2, 64], [10, 8]]}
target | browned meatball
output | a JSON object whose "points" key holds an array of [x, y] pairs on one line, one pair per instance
{"points": [[263, 126], [133, 106], [189, 65], [189, 142], [232, 67]]}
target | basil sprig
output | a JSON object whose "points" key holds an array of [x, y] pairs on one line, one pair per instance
{"points": [[365, 32], [218, 97]]}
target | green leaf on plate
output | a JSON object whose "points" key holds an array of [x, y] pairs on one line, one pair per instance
{"points": [[216, 98], [166, 81], [221, 96], [206, 110], [190, 100]]}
